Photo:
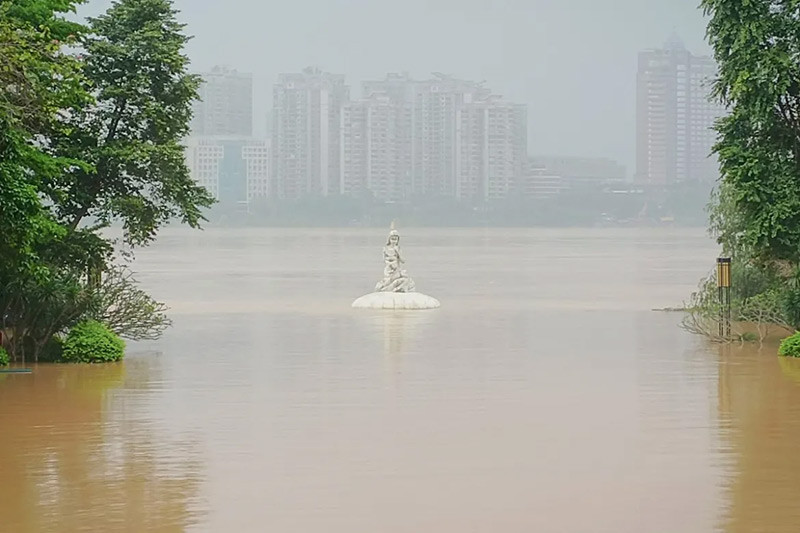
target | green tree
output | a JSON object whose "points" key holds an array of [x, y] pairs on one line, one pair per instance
{"points": [[95, 134], [37, 79], [757, 47], [131, 136]]}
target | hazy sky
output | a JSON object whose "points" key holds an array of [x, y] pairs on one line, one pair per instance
{"points": [[573, 62]]}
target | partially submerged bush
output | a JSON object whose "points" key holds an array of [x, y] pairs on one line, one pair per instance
{"points": [[53, 351], [761, 303], [749, 336], [128, 310], [4, 358], [37, 308], [790, 346], [39, 311], [91, 341]]}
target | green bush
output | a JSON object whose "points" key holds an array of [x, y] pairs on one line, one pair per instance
{"points": [[748, 336], [4, 358], [790, 301], [790, 346], [92, 342], [53, 351]]}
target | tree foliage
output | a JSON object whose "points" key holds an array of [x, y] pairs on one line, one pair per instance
{"points": [[91, 119], [757, 47], [755, 210], [126, 309], [130, 135], [36, 309], [790, 346], [36, 80], [758, 307]]}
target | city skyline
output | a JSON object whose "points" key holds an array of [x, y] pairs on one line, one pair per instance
{"points": [[573, 63], [442, 136], [439, 137]]}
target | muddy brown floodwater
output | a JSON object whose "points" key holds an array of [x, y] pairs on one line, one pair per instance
{"points": [[545, 395]]}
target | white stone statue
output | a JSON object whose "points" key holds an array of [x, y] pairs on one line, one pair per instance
{"points": [[395, 279], [396, 290]]}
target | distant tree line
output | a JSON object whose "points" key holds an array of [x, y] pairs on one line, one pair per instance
{"points": [[681, 204]]}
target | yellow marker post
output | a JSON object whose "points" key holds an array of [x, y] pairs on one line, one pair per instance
{"points": [[724, 286]]}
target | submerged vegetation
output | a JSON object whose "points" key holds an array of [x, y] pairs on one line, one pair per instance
{"points": [[755, 212], [790, 347], [91, 118], [763, 304], [91, 341]]}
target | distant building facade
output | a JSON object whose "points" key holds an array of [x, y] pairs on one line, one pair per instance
{"points": [[540, 183], [403, 139], [675, 115], [225, 104], [446, 138], [437, 108], [492, 142], [582, 172], [307, 111], [234, 170], [376, 138]]}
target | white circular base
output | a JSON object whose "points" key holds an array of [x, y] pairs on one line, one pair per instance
{"points": [[396, 300]]}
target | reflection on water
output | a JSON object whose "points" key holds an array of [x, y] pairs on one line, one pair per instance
{"points": [[760, 412], [78, 453], [397, 330], [545, 395]]}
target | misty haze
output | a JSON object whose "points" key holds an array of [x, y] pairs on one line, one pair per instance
{"points": [[437, 266]]}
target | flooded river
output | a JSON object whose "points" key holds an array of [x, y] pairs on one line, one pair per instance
{"points": [[545, 395]]}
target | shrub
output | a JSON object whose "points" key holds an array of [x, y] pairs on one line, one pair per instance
{"points": [[790, 302], [4, 358], [790, 346], [760, 297], [53, 350], [749, 336], [126, 309], [92, 342], [36, 308]]}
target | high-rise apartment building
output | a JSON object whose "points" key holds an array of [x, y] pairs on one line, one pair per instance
{"points": [[233, 169], [354, 144], [437, 107], [492, 149], [398, 87], [441, 137], [225, 104], [376, 147], [453, 138], [306, 115], [675, 115]]}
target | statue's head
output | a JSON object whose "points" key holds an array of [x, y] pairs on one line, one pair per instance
{"points": [[394, 236]]}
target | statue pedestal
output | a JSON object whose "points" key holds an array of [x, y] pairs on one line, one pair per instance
{"points": [[396, 300]]}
